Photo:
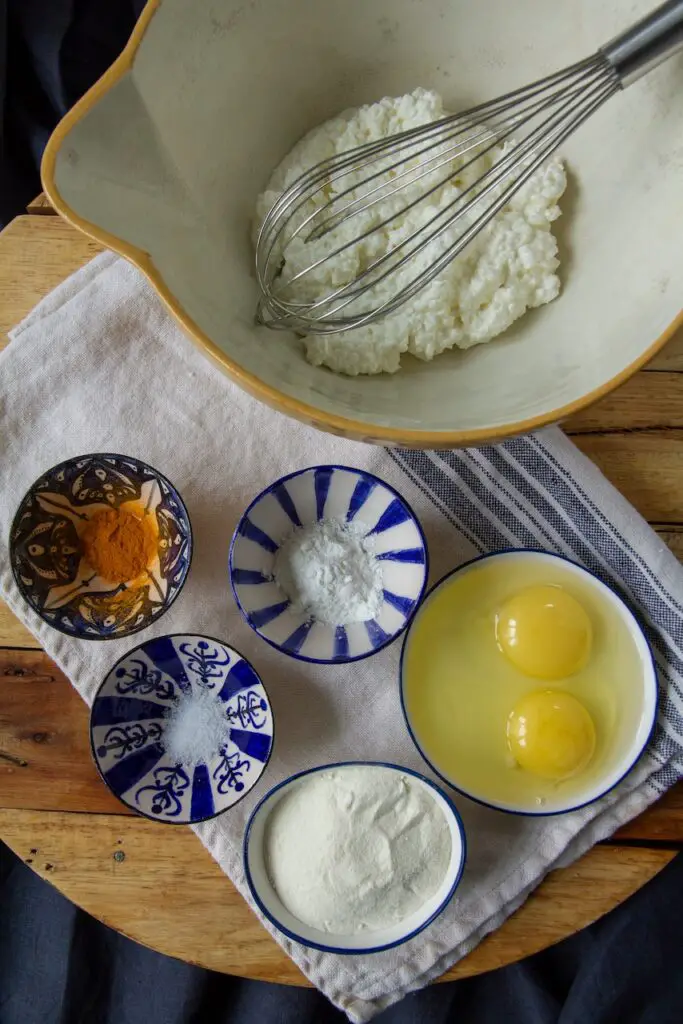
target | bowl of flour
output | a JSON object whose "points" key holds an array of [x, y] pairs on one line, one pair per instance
{"points": [[328, 564], [354, 857]]}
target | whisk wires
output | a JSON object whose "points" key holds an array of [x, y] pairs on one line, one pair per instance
{"points": [[488, 153]]}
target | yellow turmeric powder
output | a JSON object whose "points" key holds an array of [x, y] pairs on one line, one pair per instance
{"points": [[117, 545]]}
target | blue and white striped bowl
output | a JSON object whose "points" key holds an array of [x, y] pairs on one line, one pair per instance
{"points": [[301, 499]]}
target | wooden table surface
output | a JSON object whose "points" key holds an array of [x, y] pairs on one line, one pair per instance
{"points": [[57, 815]]}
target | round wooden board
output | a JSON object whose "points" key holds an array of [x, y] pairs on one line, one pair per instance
{"points": [[160, 887]]}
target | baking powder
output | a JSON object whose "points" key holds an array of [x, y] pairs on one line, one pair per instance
{"points": [[329, 572]]}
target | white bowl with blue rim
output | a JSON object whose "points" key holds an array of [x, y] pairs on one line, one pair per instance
{"points": [[45, 550], [301, 499], [270, 905], [130, 713], [621, 752]]}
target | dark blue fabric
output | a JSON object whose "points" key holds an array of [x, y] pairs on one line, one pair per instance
{"points": [[59, 966], [51, 52]]}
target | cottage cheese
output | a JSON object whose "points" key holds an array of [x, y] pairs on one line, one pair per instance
{"points": [[509, 268]]}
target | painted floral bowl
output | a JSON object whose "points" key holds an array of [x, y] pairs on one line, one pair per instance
{"points": [[130, 717], [45, 546], [299, 500]]}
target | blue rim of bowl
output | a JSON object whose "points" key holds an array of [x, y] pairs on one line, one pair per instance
{"points": [[177, 496], [418, 599], [136, 810], [499, 807], [343, 949]]}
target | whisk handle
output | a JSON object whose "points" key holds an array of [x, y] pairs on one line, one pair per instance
{"points": [[647, 43]]}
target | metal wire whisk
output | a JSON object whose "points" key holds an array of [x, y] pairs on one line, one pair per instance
{"points": [[511, 136]]}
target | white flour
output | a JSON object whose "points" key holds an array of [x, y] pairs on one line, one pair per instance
{"points": [[509, 268], [356, 848], [328, 570]]}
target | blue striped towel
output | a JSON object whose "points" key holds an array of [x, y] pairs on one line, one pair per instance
{"points": [[99, 366]]}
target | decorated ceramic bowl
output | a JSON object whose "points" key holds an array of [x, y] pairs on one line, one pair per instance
{"points": [[348, 496], [46, 546], [140, 702]]}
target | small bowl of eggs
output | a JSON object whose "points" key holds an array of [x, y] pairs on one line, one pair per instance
{"points": [[527, 684]]}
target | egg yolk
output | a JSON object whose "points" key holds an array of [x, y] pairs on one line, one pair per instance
{"points": [[544, 632], [551, 734]]}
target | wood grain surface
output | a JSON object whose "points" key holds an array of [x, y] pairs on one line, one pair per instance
{"points": [[58, 816], [112, 867], [41, 204]]}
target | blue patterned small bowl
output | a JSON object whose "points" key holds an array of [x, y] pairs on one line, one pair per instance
{"points": [[45, 547], [130, 714], [301, 499]]}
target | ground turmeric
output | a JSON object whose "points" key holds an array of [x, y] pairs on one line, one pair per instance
{"points": [[117, 545]]}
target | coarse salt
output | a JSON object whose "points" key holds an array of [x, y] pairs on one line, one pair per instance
{"points": [[329, 572], [196, 728]]}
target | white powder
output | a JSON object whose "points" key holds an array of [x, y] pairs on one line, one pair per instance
{"points": [[509, 268], [356, 848], [196, 728], [329, 572]]}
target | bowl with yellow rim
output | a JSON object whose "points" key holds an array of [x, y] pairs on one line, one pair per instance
{"points": [[139, 165], [100, 546]]}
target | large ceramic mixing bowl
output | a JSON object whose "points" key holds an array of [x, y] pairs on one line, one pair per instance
{"points": [[164, 158]]}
